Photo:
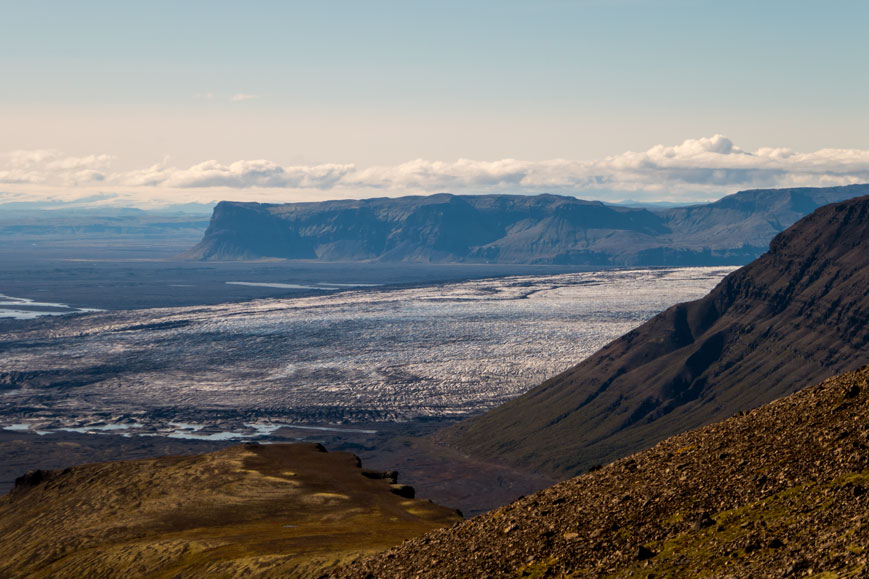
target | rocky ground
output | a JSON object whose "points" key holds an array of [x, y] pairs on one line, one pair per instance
{"points": [[781, 491]]}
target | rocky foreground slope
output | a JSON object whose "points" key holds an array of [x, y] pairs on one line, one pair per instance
{"points": [[284, 510], [782, 491], [796, 315], [548, 229]]}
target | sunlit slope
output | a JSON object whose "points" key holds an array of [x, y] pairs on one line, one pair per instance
{"points": [[269, 510], [796, 315], [782, 491]]}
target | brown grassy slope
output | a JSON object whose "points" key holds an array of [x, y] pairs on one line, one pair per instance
{"points": [[270, 510], [782, 491], [794, 316]]}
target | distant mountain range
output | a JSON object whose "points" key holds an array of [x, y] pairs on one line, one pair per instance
{"points": [[795, 316], [97, 205], [542, 229], [64, 220]]}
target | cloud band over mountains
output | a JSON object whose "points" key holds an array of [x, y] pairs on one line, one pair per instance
{"points": [[697, 166]]}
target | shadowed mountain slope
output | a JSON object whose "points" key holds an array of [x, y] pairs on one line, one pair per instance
{"points": [[782, 491], [755, 216], [796, 315], [542, 229], [270, 510]]}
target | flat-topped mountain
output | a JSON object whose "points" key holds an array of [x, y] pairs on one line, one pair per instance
{"points": [[796, 315], [283, 510], [542, 229], [782, 491]]}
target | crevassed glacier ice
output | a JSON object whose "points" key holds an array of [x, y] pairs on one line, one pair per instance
{"points": [[353, 356]]}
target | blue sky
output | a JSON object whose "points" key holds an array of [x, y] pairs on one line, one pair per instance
{"points": [[292, 100]]}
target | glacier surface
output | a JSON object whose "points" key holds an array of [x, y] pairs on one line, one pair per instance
{"points": [[351, 357]]}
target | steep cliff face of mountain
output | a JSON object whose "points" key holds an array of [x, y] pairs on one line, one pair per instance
{"points": [[782, 491], [270, 510], [794, 316], [251, 231], [438, 228], [510, 229]]}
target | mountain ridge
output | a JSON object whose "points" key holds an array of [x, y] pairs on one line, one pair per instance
{"points": [[541, 229], [272, 510], [798, 314]]}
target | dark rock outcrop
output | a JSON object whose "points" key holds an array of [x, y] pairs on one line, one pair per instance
{"points": [[32, 478], [389, 475], [548, 229], [798, 314]]}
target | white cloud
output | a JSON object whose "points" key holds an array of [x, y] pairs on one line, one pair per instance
{"points": [[712, 164], [240, 175], [52, 167], [241, 97], [715, 163], [695, 169]]}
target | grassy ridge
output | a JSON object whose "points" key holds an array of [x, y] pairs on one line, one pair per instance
{"points": [[272, 510]]}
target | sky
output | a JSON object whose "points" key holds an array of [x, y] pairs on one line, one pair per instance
{"points": [[147, 103]]}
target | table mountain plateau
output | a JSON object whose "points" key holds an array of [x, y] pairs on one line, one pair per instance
{"points": [[796, 315], [542, 229], [782, 491], [283, 510]]}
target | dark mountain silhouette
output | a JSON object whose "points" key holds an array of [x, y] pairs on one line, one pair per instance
{"points": [[782, 491], [544, 229], [796, 315]]}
